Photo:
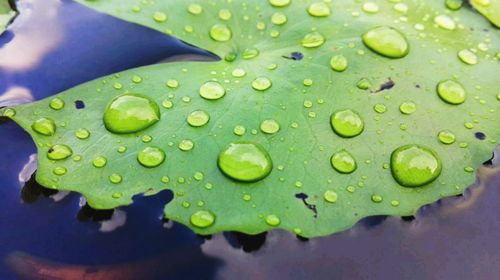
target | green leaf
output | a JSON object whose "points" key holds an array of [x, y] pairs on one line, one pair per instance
{"points": [[490, 9], [7, 14], [322, 180]]}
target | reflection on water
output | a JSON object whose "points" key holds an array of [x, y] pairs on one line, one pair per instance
{"points": [[54, 235]]}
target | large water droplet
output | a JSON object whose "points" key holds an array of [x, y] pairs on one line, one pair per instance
{"points": [[151, 157], [202, 219], [198, 118], [261, 83], [343, 162], [415, 165], [338, 63], [245, 161], [212, 91], [451, 92], [313, 40], [44, 126], [387, 41], [467, 57], [319, 9], [59, 152], [347, 123], [130, 113], [220, 32]]}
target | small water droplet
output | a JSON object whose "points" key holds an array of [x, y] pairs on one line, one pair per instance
{"points": [[387, 41], [330, 196], [151, 157], [115, 178], [451, 92], [44, 126], [238, 73], [247, 197], [122, 149], [415, 165], [445, 22], [343, 162], [212, 91], [59, 152], [377, 198], [250, 53], [198, 176], [245, 161], [279, 3], [99, 162], [338, 63], [186, 145], [370, 7], [347, 123], [172, 84], [273, 220], [454, 4], [319, 9], [220, 32], [146, 138], [202, 219], [467, 57], [225, 14], [446, 137], [159, 17], [270, 126], [198, 118], [9, 112], [261, 84], [279, 18], [59, 171], [82, 134], [56, 103], [313, 40], [364, 84], [380, 108], [130, 113], [408, 108], [239, 130], [195, 9]]}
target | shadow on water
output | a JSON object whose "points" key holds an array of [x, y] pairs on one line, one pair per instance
{"points": [[46, 234]]}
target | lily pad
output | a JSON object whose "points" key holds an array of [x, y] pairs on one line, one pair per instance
{"points": [[7, 14], [317, 115]]}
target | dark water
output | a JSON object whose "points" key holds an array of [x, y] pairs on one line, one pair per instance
{"points": [[57, 44]]}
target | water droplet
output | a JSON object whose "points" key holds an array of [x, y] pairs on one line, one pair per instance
{"points": [[279, 3], [319, 9], [250, 53], [308, 82], [117, 195], [239, 130], [225, 14], [122, 149], [270, 126], [451, 92], [338, 63], [9, 112], [247, 197], [167, 104], [56, 103], [115, 178], [467, 57], [273, 220], [370, 7], [59, 152], [238, 73], [408, 108], [212, 91], [159, 17], [364, 84], [313, 40], [380, 108], [279, 18], [454, 4], [220, 32], [146, 138], [387, 41], [395, 203], [347, 123], [44, 126], [198, 118], [195, 9], [377, 198], [186, 145], [82, 134], [59, 171], [198, 176], [401, 7], [330, 196], [415, 165], [172, 84], [469, 169], [130, 113], [343, 162], [261, 84], [99, 162], [245, 161], [445, 22], [202, 219], [446, 137], [151, 157]]}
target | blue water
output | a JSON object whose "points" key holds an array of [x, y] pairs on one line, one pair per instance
{"points": [[57, 44]]}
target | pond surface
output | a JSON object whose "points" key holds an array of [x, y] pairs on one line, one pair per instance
{"points": [[57, 44]]}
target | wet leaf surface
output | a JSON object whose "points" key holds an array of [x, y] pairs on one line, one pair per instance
{"points": [[342, 109]]}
